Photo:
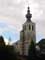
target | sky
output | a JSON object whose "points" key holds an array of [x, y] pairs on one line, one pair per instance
{"points": [[12, 16]]}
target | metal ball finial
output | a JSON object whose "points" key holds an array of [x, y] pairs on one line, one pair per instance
{"points": [[28, 15]]}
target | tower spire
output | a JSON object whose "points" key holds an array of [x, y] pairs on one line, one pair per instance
{"points": [[28, 15]]}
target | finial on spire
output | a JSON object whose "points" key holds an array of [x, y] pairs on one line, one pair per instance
{"points": [[28, 15]]}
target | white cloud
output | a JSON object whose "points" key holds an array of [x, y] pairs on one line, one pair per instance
{"points": [[6, 41], [12, 13]]}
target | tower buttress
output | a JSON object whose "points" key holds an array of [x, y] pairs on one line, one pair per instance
{"points": [[28, 33]]}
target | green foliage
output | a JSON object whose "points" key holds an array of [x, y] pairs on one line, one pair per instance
{"points": [[10, 54], [7, 53], [31, 51], [2, 43]]}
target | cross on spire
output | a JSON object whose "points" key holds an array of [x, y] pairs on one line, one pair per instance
{"points": [[28, 15]]}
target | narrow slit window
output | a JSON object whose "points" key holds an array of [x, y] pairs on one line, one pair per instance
{"points": [[32, 28], [29, 27]]}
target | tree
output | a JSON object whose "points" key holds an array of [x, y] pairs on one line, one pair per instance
{"points": [[31, 51], [7, 51], [10, 53], [2, 43]]}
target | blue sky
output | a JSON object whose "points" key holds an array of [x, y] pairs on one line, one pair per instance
{"points": [[12, 16], [9, 31]]}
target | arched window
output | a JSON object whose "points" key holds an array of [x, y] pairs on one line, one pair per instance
{"points": [[32, 27], [29, 27]]}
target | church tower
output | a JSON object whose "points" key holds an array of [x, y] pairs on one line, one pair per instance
{"points": [[28, 33]]}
